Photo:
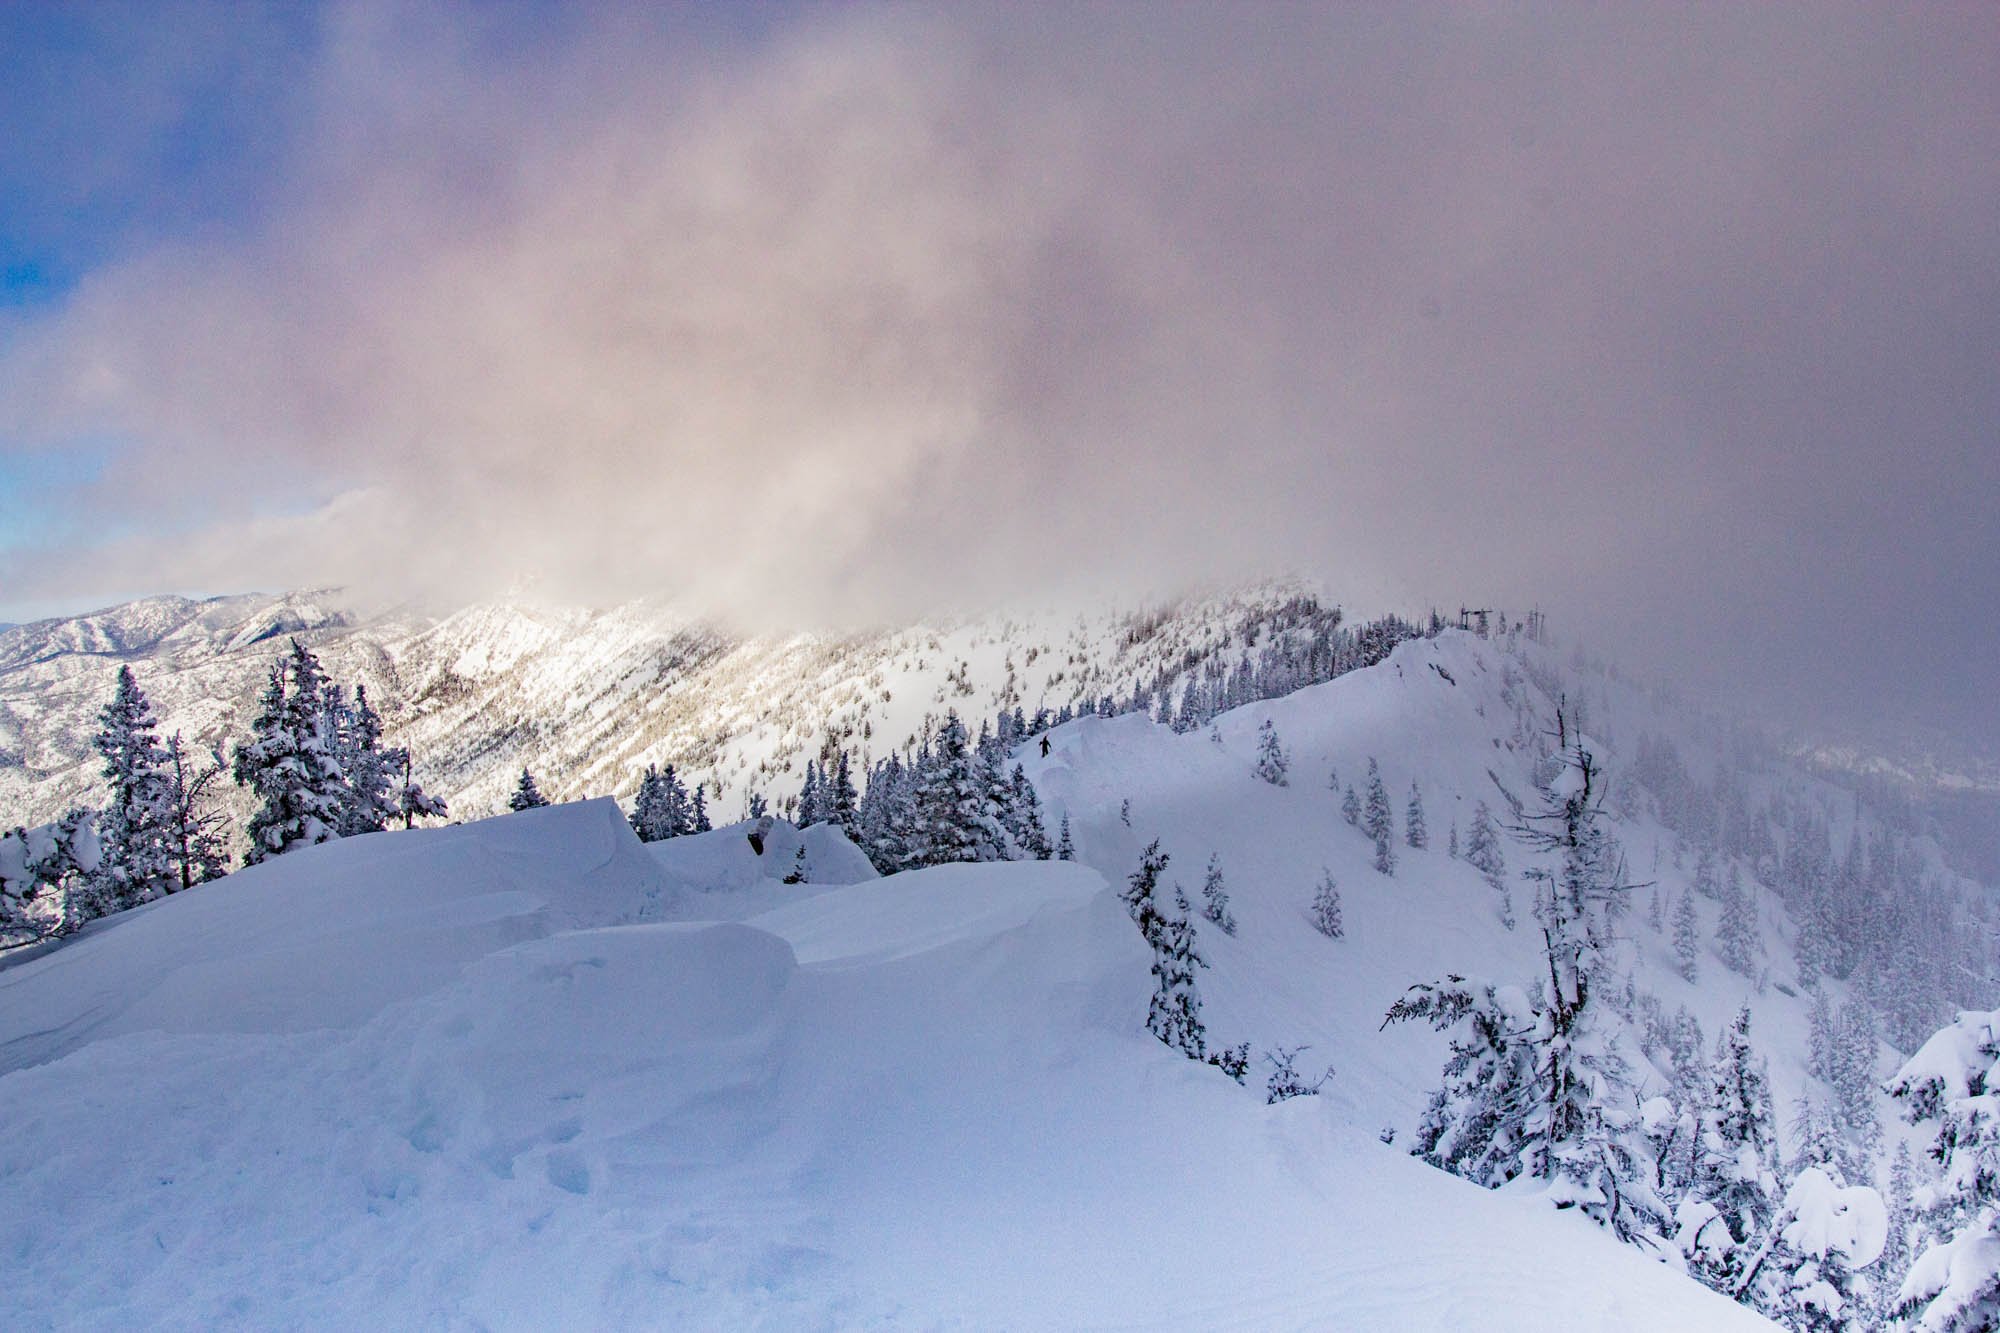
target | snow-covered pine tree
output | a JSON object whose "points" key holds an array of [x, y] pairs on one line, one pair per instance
{"points": [[1656, 912], [1819, 1036], [1141, 892], [1024, 810], [1736, 1157], [1350, 808], [1705, 881], [1954, 1285], [527, 795], [1802, 1272], [1482, 849], [292, 763], [1273, 764], [679, 818], [1174, 1015], [194, 825], [1065, 847], [698, 820], [1325, 913], [1215, 899], [1537, 1084], [371, 801], [59, 863], [1736, 940], [841, 801], [1899, 1246], [1687, 938], [412, 801], [808, 809], [952, 821], [650, 818], [1415, 831], [1852, 1077], [137, 862], [1451, 842], [1378, 823]]}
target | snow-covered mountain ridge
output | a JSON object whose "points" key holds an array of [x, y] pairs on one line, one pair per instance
{"points": [[588, 698]]}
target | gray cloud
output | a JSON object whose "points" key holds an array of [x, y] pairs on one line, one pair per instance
{"points": [[1681, 322]]}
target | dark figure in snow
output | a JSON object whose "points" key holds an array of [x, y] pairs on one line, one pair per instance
{"points": [[1045, 747]]}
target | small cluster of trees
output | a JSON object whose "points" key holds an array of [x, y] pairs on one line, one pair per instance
{"points": [[665, 809], [315, 763], [953, 799]]}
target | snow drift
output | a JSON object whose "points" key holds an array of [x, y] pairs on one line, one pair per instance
{"points": [[503, 1075]]}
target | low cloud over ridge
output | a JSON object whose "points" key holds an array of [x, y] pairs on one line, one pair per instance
{"points": [[1684, 321]]}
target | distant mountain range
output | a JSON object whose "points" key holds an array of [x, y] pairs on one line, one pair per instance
{"points": [[587, 698]]}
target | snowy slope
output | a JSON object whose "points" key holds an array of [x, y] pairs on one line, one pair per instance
{"points": [[1454, 715], [467, 1078]]}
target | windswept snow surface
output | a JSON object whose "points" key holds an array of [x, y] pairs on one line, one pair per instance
{"points": [[504, 1076]]}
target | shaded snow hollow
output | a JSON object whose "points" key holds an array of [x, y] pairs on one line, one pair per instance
{"points": [[479, 1077]]}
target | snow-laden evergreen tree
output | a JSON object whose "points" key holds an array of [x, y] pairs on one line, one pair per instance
{"points": [[1065, 847], [698, 820], [1954, 1285], [1851, 1074], [1801, 1273], [1736, 1158], [841, 800], [368, 768], [292, 762], [50, 877], [1141, 892], [1483, 853], [1451, 841], [1286, 1082], [1174, 1015], [1736, 940], [1656, 911], [1350, 808], [1215, 899], [1819, 1037], [412, 801], [808, 810], [1705, 881], [953, 819], [650, 818], [1378, 823], [1899, 1246], [194, 825], [1415, 831], [71, 860], [1536, 1084], [678, 820], [1273, 764], [1687, 938], [1325, 912], [137, 858], [1024, 813], [754, 804], [527, 795]]}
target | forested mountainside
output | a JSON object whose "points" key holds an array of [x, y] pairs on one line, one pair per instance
{"points": [[589, 698]]}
